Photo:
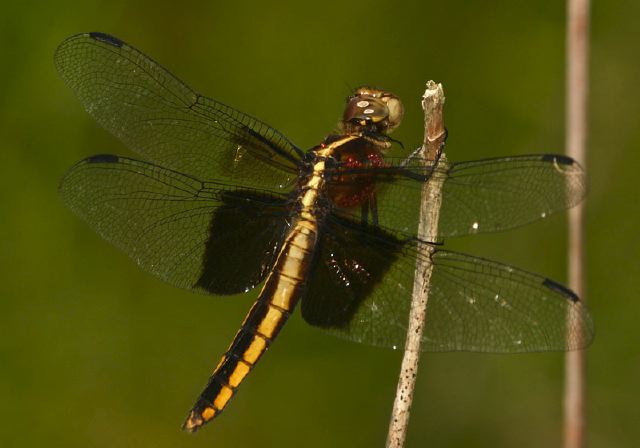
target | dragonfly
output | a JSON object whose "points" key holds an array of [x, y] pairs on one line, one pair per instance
{"points": [[221, 203]]}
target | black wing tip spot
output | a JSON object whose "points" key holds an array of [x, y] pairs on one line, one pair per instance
{"points": [[106, 38], [559, 288], [103, 158], [558, 158]]}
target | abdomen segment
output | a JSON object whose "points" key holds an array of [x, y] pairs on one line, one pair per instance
{"points": [[279, 295]]}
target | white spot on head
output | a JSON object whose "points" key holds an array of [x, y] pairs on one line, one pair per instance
{"points": [[369, 111], [362, 103], [475, 225]]}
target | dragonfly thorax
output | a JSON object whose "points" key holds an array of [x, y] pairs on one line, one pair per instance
{"points": [[349, 187]]}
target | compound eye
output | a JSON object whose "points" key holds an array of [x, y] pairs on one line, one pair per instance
{"points": [[396, 111]]}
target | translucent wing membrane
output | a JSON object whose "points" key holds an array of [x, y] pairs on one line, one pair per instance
{"points": [[196, 235], [474, 304], [163, 119], [479, 196], [210, 210], [499, 194], [349, 264], [495, 307]]}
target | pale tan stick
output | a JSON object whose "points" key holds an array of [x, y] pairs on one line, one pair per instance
{"points": [[434, 134], [577, 58]]}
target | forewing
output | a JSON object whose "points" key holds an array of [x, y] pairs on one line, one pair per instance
{"points": [[479, 196], [499, 194], [474, 304], [195, 235], [163, 119]]}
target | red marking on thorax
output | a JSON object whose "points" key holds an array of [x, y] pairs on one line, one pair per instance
{"points": [[351, 190]]}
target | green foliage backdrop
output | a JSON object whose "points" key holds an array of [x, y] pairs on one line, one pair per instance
{"points": [[95, 353]]}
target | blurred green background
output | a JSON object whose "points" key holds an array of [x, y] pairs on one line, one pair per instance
{"points": [[95, 353]]}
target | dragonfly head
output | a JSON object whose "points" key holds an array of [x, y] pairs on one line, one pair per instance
{"points": [[373, 110]]}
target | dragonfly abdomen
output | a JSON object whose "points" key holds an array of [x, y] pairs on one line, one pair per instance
{"points": [[277, 299], [282, 289]]}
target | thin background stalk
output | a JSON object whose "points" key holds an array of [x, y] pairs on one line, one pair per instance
{"points": [[434, 134], [577, 80]]}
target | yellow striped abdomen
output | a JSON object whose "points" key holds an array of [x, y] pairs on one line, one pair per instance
{"points": [[277, 299], [274, 305]]}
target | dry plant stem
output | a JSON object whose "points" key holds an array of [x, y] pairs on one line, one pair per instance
{"points": [[432, 104], [576, 121]]}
